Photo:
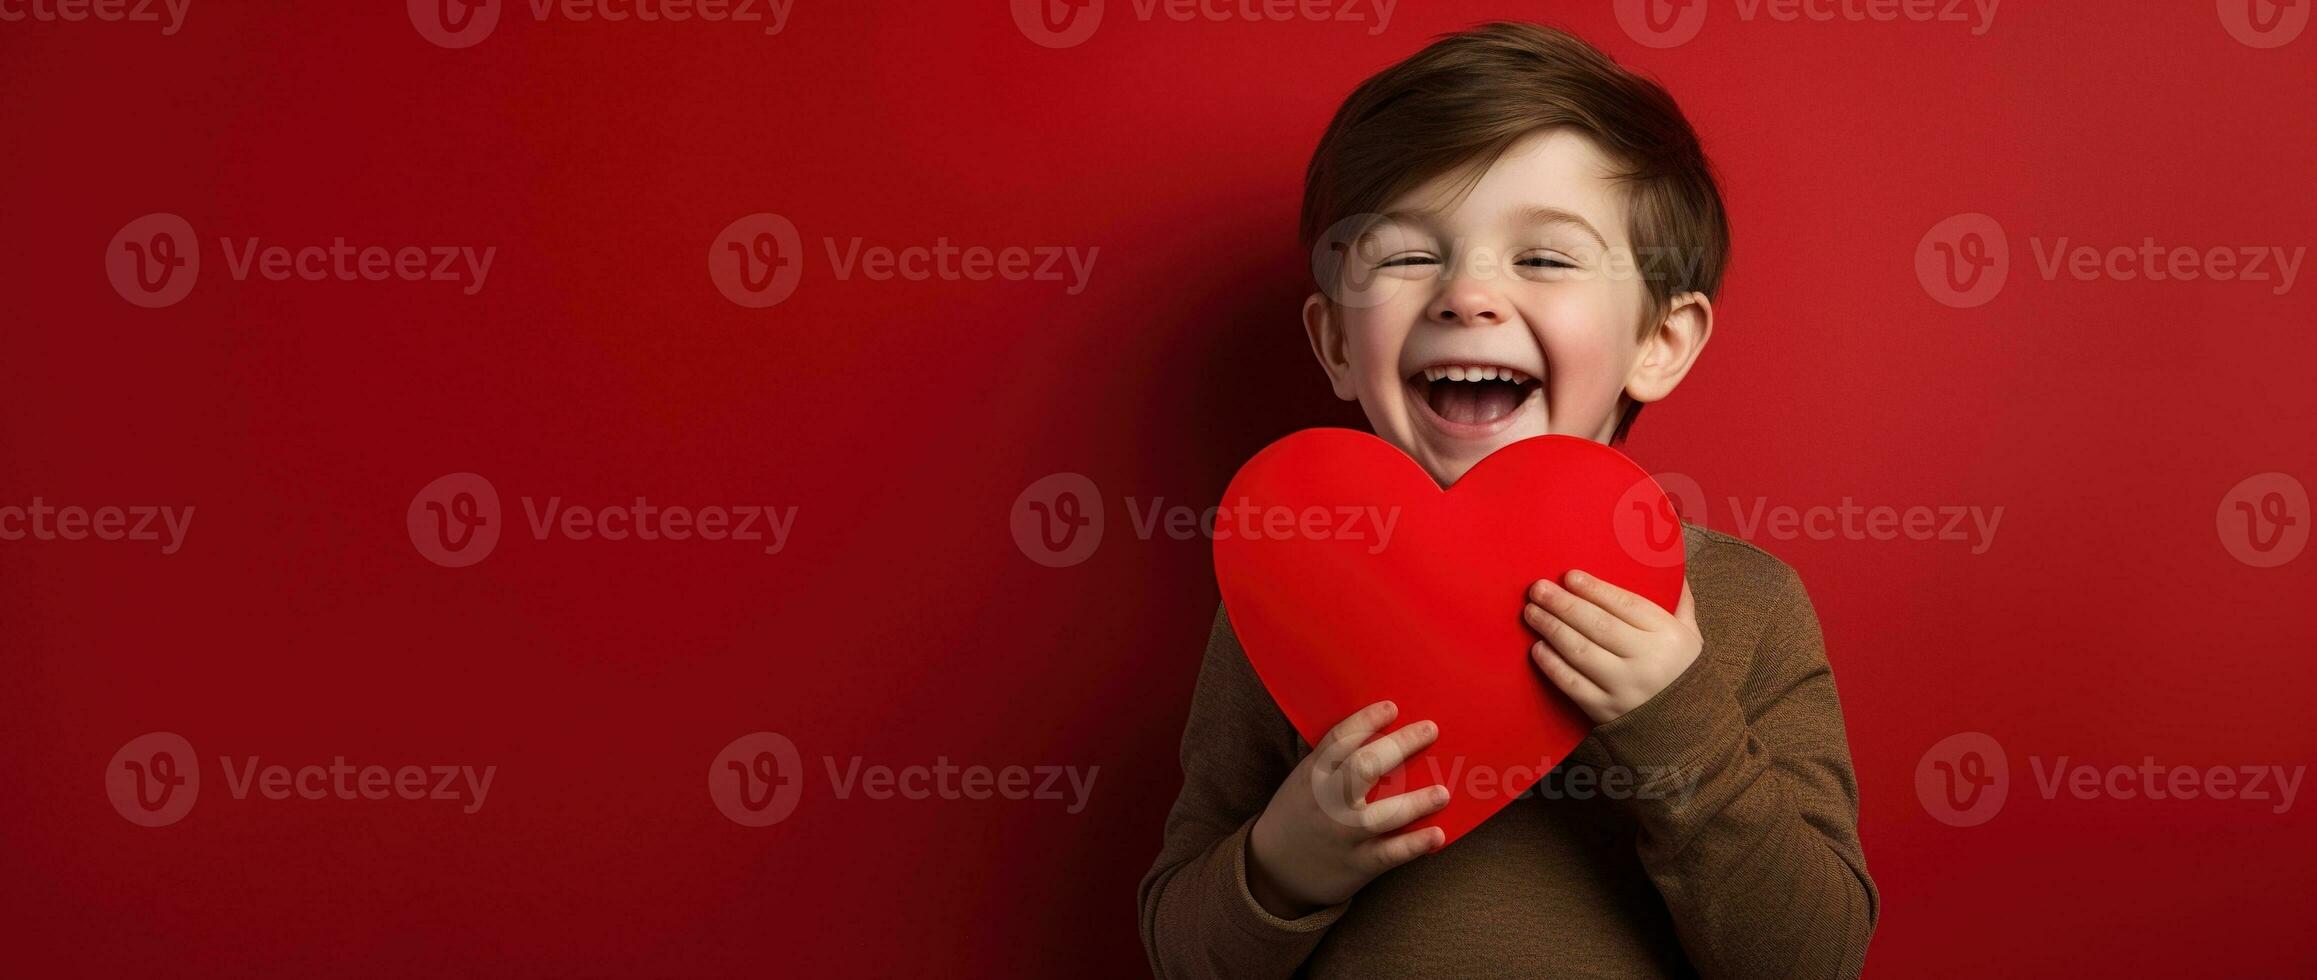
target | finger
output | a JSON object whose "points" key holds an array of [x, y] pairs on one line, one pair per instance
{"points": [[1385, 853], [1383, 755], [1597, 624], [1572, 682], [1590, 658], [1630, 608], [1394, 812], [1351, 733], [1687, 609]]}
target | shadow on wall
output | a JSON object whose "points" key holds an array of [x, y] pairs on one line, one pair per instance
{"points": [[1234, 375], [1249, 372]]}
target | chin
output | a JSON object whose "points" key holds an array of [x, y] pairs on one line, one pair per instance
{"points": [[1446, 474], [1447, 458], [1448, 464], [1450, 417]]}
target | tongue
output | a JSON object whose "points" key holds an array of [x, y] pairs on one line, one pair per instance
{"points": [[1475, 403]]}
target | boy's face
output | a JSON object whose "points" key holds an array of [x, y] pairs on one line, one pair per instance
{"points": [[1465, 324]]}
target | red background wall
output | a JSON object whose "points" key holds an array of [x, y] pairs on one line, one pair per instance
{"points": [[2107, 621]]}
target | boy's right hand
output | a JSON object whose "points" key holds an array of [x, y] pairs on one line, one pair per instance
{"points": [[1320, 840]]}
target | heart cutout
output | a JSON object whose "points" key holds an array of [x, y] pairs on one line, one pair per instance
{"points": [[1418, 598]]}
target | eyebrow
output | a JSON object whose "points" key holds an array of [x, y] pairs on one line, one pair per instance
{"points": [[1535, 214], [1541, 214]]}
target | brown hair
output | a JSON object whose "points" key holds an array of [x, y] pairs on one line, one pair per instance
{"points": [[1462, 101]]}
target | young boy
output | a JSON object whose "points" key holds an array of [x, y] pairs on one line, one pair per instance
{"points": [[1518, 237]]}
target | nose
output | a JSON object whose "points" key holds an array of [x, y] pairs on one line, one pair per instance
{"points": [[1468, 301]]}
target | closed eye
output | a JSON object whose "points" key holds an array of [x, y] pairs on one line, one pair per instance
{"points": [[1407, 260], [1546, 262]]}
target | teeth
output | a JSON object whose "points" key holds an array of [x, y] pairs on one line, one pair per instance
{"points": [[1458, 372]]}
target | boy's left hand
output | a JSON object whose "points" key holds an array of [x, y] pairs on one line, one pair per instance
{"points": [[1608, 649]]}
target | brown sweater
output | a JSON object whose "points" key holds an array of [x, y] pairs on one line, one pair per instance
{"points": [[1737, 855]]}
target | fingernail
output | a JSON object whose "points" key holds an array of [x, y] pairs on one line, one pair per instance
{"points": [[1439, 794], [1576, 577]]}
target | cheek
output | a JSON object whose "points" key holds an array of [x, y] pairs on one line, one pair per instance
{"points": [[1589, 346], [1586, 367], [1373, 339]]}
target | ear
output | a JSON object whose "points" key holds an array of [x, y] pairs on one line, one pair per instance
{"points": [[1669, 348], [1325, 329]]}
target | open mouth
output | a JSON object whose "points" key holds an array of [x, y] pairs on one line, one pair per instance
{"points": [[1473, 394]]}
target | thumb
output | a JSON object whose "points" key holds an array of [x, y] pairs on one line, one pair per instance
{"points": [[1687, 609]]}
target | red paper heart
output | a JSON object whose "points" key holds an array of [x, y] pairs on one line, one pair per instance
{"points": [[1335, 614]]}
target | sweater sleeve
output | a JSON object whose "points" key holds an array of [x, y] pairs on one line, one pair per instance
{"points": [[1747, 806], [1198, 917]]}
